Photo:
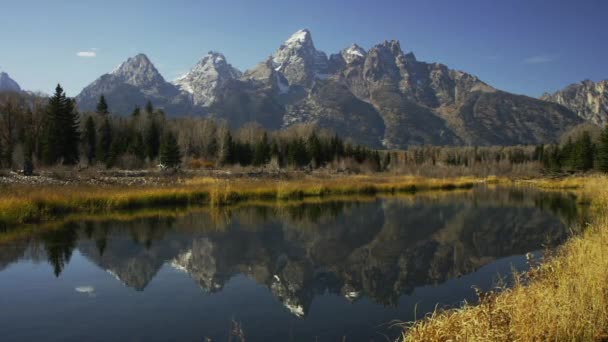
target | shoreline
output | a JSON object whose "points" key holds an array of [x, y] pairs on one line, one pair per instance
{"points": [[563, 297], [27, 204]]}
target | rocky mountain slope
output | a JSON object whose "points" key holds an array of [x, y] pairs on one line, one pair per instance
{"points": [[132, 84], [7, 83], [588, 99], [382, 97], [203, 81]]}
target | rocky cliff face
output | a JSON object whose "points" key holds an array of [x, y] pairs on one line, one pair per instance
{"points": [[587, 99], [299, 61], [206, 77], [382, 97], [7, 83]]}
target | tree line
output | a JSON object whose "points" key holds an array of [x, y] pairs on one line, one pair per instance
{"points": [[50, 131], [54, 133]]}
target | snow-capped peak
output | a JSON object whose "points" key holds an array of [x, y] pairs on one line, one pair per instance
{"points": [[206, 76], [353, 53], [299, 37], [298, 60], [138, 62], [139, 71]]}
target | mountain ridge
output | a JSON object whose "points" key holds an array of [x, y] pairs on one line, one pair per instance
{"points": [[587, 98], [381, 97]]}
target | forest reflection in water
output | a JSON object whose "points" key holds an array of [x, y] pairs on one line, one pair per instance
{"points": [[377, 249]]}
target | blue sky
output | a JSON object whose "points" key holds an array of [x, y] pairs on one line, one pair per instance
{"points": [[522, 46]]}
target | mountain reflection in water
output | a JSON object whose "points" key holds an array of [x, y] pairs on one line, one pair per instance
{"points": [[378, 249]]}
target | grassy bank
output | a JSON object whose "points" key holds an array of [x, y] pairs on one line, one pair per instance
{"points": [[21, 204], [563, 298]]}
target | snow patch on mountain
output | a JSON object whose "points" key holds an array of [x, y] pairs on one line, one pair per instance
{"points": [[204, 79], [353, 53]]}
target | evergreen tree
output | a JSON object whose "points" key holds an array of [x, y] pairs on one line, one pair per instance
{"points": [[261, 154], [567, 154], [105, 140], [225, 153], [102, 106], [137, 148], [243, 153], [136, 112], [275, 152], [71, 135], [582, 157], [61, 136], [313, 146], [152, 139], [296, 153], [52, 134], [170, 155], [90, 139], [602, 151], [149, 107], [114, 153]]}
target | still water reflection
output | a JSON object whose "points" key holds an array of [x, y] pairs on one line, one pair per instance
{"points": [[307, 272]]}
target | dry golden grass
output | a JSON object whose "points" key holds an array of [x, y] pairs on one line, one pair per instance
{"points": [[26, 204], [564, 298]]}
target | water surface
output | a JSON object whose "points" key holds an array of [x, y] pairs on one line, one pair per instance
{"points": [[319, 271]]}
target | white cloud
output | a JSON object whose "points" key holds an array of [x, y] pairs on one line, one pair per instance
{"points": [[87, 54], [540, 59]]}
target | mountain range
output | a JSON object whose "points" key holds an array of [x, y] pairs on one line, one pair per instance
{"points": [[381, 97]]}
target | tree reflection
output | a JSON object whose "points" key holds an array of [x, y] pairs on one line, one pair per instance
{"points": [[59, 245]]}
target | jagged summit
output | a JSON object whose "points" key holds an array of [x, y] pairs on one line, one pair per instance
{"points": [[139, 71], [302, 37], [353, 53], [203, 80], [133, 83], [7, 83], [380, 97], [588, 99], [299, 61]]}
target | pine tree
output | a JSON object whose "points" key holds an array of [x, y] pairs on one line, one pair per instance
{"points": [[114, 152], [61, 136], [582, 157], [136, 112], [137, 148], [567, 155], [149, 107], [102, 106], [52, 135], [170, 155], [225, 153], [314, 149], [152, 139], [602, 151], [105, 140], [296, 153], [71, 134], [90, 139], [261, 154]]}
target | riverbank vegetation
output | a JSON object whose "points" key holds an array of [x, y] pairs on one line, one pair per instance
{"points": [[38, 133], [563, 297], [33, 203]]}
